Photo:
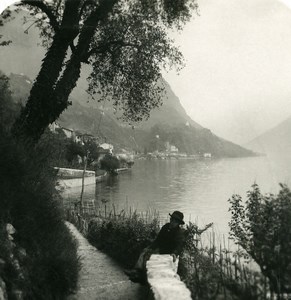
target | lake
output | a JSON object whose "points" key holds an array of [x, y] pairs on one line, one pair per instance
{"points": [[198, 188]]}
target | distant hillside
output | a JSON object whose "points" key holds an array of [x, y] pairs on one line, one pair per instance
{"points": [[171, 112], [170, 123], [275, 141], [23, 55], [20, 86], [87, 115]]}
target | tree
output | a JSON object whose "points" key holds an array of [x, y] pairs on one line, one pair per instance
{"points": [[87, 150], [124, 41], [42, 262], [109, 163], [54, 144], [263, 228], [8, 109], [5, 15]]}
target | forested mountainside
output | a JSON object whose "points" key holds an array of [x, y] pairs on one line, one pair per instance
{"points": [[170, 123]]}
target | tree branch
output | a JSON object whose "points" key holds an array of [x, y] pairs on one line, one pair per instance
{"points": [[87, 2], [73, 47], [200, 231], [106, 47], [46, 9], [70, 20], [91, 22]]}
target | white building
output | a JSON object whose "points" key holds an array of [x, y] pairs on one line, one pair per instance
{"points": [[107, 147]]}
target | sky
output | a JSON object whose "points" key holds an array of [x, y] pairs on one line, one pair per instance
{"points": [[237, 79]]}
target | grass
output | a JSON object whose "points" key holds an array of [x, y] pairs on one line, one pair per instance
{"points": [[216, 272], [123, 236]]}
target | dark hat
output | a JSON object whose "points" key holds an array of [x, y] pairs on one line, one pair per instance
{"points": [[178, 216]]}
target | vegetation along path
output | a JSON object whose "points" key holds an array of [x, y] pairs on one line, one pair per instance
{"points": [[100, 277]]}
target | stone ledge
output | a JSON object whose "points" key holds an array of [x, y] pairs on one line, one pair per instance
{"points": [[73, 173], [163, 279]]}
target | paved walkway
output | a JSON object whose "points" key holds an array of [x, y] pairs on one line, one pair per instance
{"points": [[100, 277]]}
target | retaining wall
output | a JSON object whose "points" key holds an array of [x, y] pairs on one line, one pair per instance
{"points": [[72, 178], [75, 182], [163, 279], [67, 172]]}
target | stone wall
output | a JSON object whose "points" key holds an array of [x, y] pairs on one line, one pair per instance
{"points": [[163, 279], [72, 178], [75, 182], [77, 173]]}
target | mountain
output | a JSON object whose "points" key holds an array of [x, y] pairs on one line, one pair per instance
{"points": [[274, 141], [170, 123], [171, 112], [21, 60]]}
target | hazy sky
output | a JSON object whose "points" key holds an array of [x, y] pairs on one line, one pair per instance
{"points": [[237, 79]]}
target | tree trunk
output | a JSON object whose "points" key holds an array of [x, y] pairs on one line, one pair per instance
{"points": [[36, 115], [39, 110], [85, 159], [49, 96]]}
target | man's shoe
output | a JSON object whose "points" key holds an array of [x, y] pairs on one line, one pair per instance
{"points": [[135, 279], [136, 275]]}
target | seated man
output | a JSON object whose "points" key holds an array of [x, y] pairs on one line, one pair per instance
{"points": [[170, 240]]}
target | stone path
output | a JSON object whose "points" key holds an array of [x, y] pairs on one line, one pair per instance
{"points": [[100, 277]]}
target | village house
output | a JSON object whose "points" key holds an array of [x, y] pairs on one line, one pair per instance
{"points": [[104, 149], [171, 149]]}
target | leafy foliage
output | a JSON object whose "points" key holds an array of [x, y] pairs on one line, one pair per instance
{"points": [[121, 237], [215, 272], [263, 228], [137, 46], [196, 267], [31, 203], [87, 150], [5, 15], [8, 109], [126, 43], [54, 144], [109, 163]]}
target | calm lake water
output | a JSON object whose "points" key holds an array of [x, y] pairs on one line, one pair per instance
{"points": [[199, 188]]}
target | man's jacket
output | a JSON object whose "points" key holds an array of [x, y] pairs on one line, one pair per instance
{"points": [[169, 240]]}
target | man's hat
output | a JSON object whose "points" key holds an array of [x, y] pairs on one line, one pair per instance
{"points": [[178, 216]]}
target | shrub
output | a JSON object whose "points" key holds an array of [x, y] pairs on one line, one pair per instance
{"points": [[123, 238], [109, 163], [263, 228], [54, 145], [197, 269], [212, 272], [30, 202]]}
